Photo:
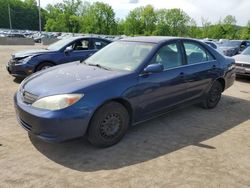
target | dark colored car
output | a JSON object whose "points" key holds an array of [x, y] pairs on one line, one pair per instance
{"points": [[243, 63], [127, 82], [22, 64], [233, 47]]}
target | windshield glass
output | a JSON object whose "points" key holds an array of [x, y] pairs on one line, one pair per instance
{"points": [[231, 43], [121, 55], [246, 51], [59, 44]]}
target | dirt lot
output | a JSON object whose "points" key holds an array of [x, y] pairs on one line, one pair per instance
{"points": [[190, 147]]}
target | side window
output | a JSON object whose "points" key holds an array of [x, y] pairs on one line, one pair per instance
{"points": [[196, 54], [99, 44], [81, 45], [169, 56]]}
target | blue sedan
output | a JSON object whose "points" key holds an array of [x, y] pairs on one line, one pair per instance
{"points": [[67, 50], [125, 83]]}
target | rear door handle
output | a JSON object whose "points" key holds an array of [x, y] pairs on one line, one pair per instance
{"points": [[182, 74]]}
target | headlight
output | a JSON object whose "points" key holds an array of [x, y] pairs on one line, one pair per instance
{"points": [[24, 60], [57, 102]]}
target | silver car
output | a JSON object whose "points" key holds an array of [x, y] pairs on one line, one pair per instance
{"points": [[243, 63]]}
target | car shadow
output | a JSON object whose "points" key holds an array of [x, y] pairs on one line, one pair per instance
{"points": [[155, 138], [243, 79]]}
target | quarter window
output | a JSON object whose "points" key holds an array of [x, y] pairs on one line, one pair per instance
{"points": [[169, 56], [196, 53]]}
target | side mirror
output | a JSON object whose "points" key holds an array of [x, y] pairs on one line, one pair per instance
{"points": [[68, 50], [153, 68]]}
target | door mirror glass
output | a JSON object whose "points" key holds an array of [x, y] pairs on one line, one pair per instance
{"points": [[68, 49], [154, 68]]}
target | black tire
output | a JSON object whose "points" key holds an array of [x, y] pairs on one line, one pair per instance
{"points": [[108, 125], [214, 95], [44, 65]]}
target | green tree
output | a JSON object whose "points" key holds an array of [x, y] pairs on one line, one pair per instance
{"points": [[229, 27], [245, 32], [148, 19], [193, 30], [172, 22], [98, 18], [133, 22], [177, 21], [63, 16], [24, 14]]}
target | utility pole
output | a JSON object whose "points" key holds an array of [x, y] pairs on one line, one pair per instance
{"points": [[40, 21], [9, 15]]}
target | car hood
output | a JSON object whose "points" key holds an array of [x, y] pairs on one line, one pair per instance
{"points": [[242, 59], [23, 54], [67, 78]]}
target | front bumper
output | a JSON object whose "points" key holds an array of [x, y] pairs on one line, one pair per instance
{"points": [[242, 71], [52, 126], [19, 70]]}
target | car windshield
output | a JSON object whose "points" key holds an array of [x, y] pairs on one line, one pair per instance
{"points": [[246, 51], [233, 44], [59, 44], [121, 55]]}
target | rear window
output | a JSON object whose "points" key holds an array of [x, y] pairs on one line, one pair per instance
{"points": [[196, 53]]}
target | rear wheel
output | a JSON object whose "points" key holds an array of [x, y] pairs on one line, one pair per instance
{"points": [[108, 125], [44, 66], [213, 96]]}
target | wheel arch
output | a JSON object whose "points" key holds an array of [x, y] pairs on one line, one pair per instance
{"points": [[125, 103], [222, 82], [45, 61]]}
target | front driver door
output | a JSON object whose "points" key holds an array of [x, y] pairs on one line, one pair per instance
{"points": [[162, 90], [81, 50]]}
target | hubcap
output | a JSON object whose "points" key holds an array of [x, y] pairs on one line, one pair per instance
{"points": [[110, 125], [214, 95]]}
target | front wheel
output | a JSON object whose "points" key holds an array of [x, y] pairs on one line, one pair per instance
{"points": [[108, 125], [213, 97], [44, 66]]}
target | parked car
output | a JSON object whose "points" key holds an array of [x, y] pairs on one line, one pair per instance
{"points": [[228, 48], [39, 38], [16, 35], [127, 82], [67, 50], [243, 63], [233, 47]]}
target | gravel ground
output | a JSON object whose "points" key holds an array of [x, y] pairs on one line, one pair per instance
{"points": [[190, 147]]}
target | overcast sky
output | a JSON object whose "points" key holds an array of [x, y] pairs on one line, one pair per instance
{"points": [[212, 10]]}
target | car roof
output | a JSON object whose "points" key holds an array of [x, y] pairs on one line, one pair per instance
{"points": [[153, 39], [85, 37]]}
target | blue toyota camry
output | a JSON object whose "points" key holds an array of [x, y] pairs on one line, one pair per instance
{"points": [[127, 82]]}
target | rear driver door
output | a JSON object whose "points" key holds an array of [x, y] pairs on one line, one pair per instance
{"points": [[200, 70]]}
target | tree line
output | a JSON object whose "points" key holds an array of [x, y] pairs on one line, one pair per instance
{"points": [[99, 18]]}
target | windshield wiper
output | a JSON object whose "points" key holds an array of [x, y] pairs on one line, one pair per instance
{"points": [[98, 65]]}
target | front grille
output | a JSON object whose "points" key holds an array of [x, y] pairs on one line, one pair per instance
{"points": [[243, 65], [25, 125], [29, 98], [12, 62]]}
